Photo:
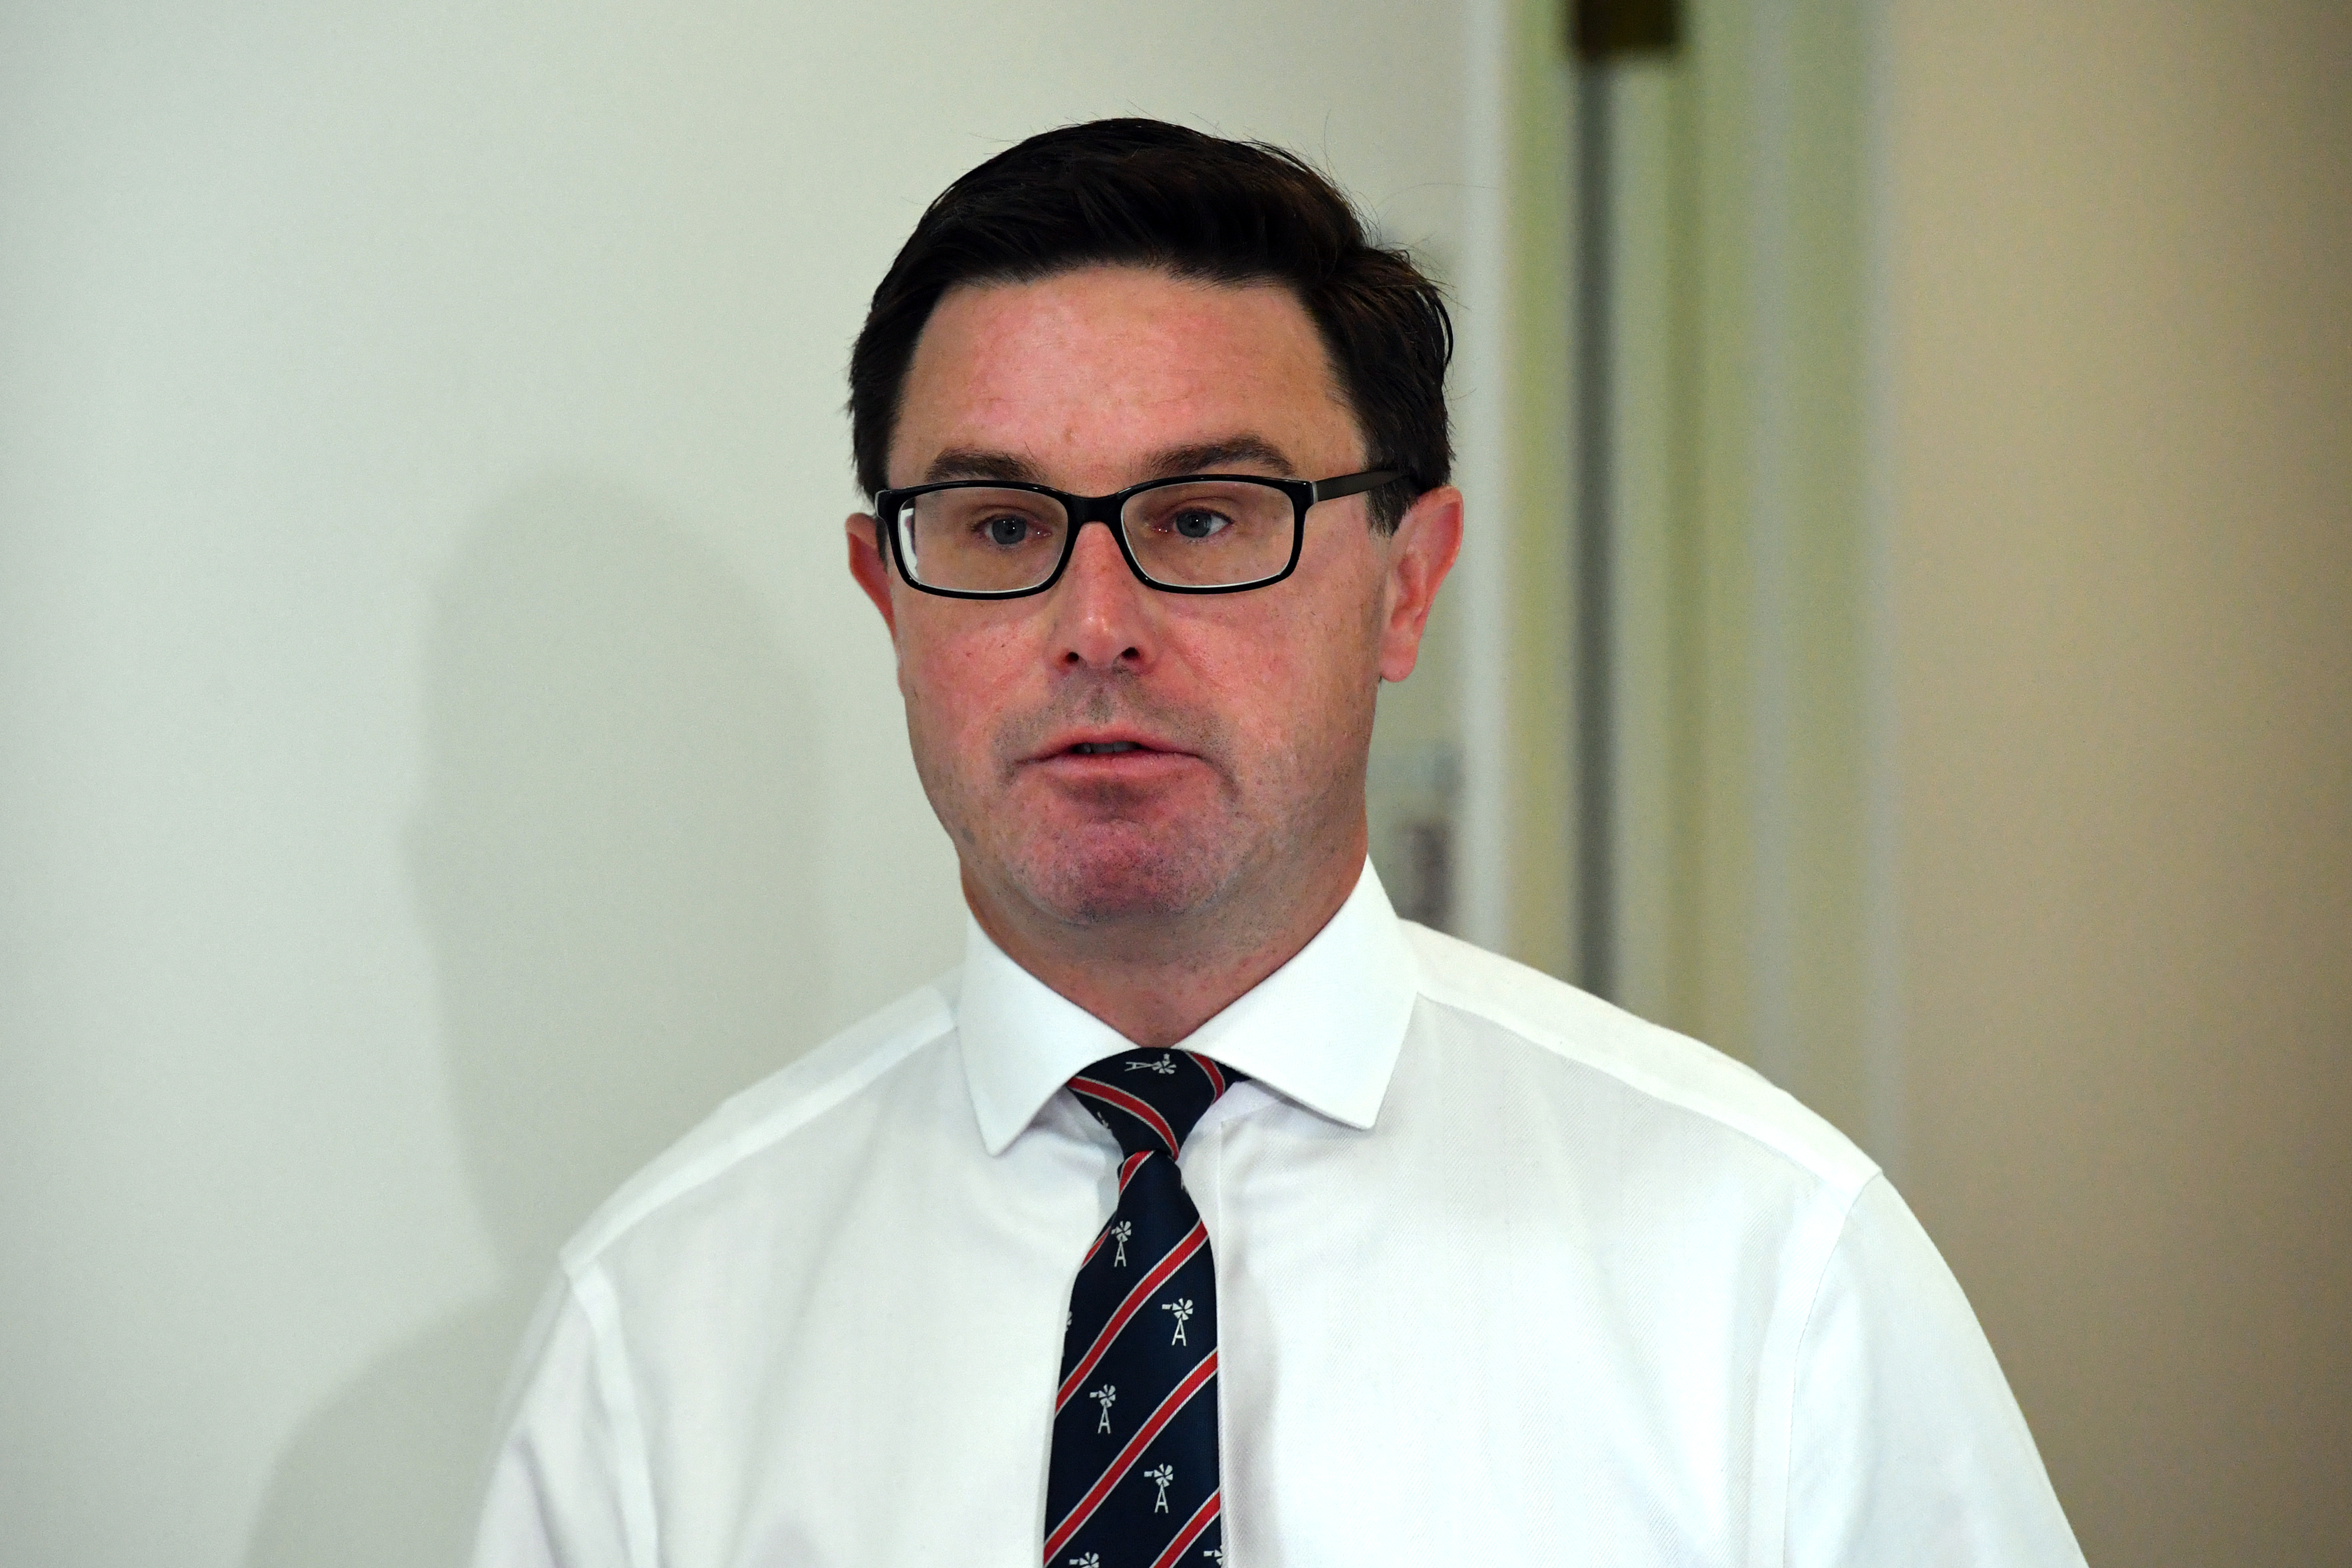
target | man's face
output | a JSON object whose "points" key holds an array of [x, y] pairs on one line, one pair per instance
{"points": [[1242, 718]]}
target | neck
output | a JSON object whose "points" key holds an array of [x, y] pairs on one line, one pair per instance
{"points": [[1157, 979]]}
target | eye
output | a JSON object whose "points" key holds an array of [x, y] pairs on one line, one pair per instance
{"points": [[1005, 528], [1199, 522]]}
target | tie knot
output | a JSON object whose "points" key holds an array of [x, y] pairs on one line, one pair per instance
{"points": [[1151, 1099]]}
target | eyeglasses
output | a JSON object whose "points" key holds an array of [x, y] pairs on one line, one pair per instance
{"points": [[1198, 533]]}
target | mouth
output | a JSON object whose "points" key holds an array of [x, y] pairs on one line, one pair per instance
{"points": [[1101, 748]]}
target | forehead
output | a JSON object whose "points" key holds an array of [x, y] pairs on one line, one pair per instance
{"points": [[1086, 370]]}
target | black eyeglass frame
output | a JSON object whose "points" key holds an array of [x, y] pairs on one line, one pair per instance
{"points": [[1104, 510]]}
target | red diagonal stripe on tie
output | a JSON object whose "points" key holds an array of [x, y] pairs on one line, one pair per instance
{"points": [[1203, 1517], [1138, 1109], [1126, 1173], [1194, 1240], [1216, 1079], [1178, 1397]]}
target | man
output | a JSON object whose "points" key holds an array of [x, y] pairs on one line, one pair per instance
{"points": [[1208, 1213]]}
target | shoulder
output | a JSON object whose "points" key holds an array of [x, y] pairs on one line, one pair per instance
{"points": [[795, 1102], [1627, 1055]]}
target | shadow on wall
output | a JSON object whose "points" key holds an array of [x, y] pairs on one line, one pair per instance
{"points": [[611, 858]]}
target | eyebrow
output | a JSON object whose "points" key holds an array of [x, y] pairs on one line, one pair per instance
{"points": [[1207, 457], [1195, 458], [974, 463]]}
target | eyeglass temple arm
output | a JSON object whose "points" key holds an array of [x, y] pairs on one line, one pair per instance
{"points": [[1351, 485]]}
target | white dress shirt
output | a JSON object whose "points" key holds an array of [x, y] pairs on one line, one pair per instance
{"points": [[1504, 1275]]}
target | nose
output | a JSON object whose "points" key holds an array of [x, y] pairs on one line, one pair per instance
{"points": [[1104, 617]]}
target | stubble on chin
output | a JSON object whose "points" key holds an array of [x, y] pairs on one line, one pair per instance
{"points": [[1120, 874]]}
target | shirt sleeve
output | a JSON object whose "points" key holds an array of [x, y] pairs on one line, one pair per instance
{"points": [[1906, 1445], [559, 1487]]}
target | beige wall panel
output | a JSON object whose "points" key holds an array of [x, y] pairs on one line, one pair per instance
{"points": [[2121, 557]]}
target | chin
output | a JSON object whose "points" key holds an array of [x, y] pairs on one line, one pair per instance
{"points": [[1103, 878]]}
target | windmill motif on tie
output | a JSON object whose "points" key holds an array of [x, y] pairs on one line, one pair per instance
{"points": [[1133, 1479]]}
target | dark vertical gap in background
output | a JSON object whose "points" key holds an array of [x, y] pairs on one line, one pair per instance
{"points": [[1600, 29], [1595, 668]]}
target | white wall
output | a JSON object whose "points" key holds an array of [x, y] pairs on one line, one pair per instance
{"points": [[440, 753]]}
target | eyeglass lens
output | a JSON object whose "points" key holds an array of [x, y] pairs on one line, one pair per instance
{"points": [[1206, 533]]}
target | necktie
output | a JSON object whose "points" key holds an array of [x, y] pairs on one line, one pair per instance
{"points": [[1133, 1479]]}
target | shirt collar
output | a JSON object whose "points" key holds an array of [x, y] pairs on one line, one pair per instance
{"points": [[1324, 1029]]}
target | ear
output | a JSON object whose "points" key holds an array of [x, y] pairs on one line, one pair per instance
{"points": [[869, 566], [1420, 552]]}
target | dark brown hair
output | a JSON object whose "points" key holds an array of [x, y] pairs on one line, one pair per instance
{"points": [[1147, 194]]}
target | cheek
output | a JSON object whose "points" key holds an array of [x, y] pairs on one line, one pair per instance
{"points": [[956, 686], [1301, 689]]}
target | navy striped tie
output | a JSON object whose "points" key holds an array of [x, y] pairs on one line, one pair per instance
{"points": [[1133, 1479]]}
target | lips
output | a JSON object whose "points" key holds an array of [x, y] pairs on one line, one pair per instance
{"points": [[1103, 743]]}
